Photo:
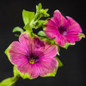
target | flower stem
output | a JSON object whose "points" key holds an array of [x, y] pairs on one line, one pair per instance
{"points": [[9, 81], [35, 20]]}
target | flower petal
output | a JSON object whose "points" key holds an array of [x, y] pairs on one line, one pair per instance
{"points": [[23, 67], [49, 52], [51, 32], [47, 65], [25, 41], [61, 40], [44, 67], [16, 47], [23, 73], [18, 59], [72, 25], [37, 46], [72, 38], [33, 70], [59, 19], [51, 22]]}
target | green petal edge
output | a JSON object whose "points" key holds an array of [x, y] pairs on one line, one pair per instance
{"points": [[7, 52], [60, 64], [68, 44], [81, 35], [51, 74], [24, 76]]}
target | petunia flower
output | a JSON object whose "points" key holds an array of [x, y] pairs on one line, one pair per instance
{"points": [[32, 56], [65, 31]]}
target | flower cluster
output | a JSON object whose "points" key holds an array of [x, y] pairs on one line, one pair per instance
{"points": [[35, 54]]}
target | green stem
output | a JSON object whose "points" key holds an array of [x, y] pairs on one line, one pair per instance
{"points": [[15, 78], [35, 19], [9, 81]]}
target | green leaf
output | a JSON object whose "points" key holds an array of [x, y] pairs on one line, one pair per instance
{"points": [[24, 76], [9, 81], [27, 27], [18, 29], [41, 33], [59, 62], [27, 16]]}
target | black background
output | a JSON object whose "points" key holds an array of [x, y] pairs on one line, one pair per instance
{"points": [[73, 71]]}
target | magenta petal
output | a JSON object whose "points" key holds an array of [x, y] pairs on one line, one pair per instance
{"points": [[18, 59], [17, 48], [47, 65], [51, 32], [61, 40], [23, 68], [25, 41], [51, 23], [37, 46], [72, 25], [72, 38], [49, 52], [59, 19], [33, 70]]}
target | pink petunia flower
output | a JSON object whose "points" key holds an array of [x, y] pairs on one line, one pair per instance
{"points": [[65, 31], [33, 56]]}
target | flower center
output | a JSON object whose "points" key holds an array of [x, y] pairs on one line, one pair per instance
{"points": [[62, 30], [33, 59]]}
